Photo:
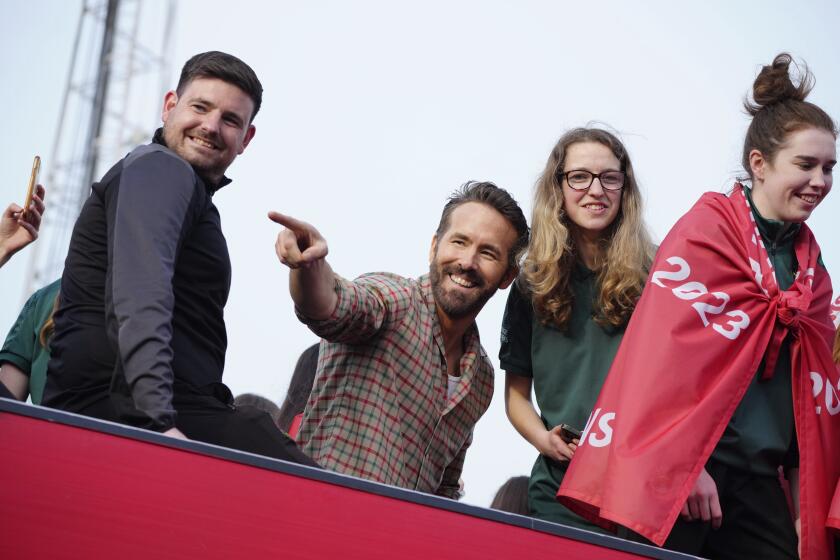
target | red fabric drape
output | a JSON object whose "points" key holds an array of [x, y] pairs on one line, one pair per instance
{"points": [[709, 313]]}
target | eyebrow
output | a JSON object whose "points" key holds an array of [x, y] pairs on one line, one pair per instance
{"points": [[812, 159], [210, 104], [201, 100], [494, 248], [608, 170]]}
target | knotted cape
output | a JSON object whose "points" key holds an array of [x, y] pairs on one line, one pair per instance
{"points": [[711, 310]]}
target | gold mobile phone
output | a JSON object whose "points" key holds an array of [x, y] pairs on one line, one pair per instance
{"points": [[33, 180]]}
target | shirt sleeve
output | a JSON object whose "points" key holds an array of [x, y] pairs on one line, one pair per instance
{"points": [[515, 350], [20, 344], [450, 484], [147, 220], [364, 307]]}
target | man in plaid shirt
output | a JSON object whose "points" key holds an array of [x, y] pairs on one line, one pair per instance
{"points": [[402, 377]]}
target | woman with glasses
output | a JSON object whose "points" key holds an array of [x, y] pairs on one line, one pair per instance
{"points": [[725, 374], [583, 273]]}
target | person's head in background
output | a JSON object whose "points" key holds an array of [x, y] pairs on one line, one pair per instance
{"points": [[300, 386], [259, 402], [512, 496]]}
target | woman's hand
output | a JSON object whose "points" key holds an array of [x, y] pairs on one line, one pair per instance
{"points": [[552, 445], [703, 502]]}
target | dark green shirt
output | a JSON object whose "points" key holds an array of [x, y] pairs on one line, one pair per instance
{"points": [[23, 348], [568, 370], [761, 435]]}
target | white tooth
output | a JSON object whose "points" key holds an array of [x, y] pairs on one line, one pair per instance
{"points": [[460, 281]]}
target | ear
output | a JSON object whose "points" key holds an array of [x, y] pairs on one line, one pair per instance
{"points": [[757, 164], [509, 277], [433, 249], [169, 102], [249, 134]]}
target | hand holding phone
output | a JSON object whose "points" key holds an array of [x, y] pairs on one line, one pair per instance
{"points": [[33, 180], [569, 434], [19, 226]]}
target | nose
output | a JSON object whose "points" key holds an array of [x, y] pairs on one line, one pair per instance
{"points": [[819, 177], [468, 259], [211, 122], [596, 191]]}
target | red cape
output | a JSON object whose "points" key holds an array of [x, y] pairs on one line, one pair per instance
{"points": [[710, 312], [834, 513], [835, 312]]}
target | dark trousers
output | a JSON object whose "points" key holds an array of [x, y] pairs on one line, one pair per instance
{"points": [[5, 393], [245, 428], [212, 418], [756, 520]]}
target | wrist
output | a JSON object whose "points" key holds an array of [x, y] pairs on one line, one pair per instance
{"points": [[541, 442], [313, 290]]}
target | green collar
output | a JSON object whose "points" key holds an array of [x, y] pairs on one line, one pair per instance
{"points": [[774, 232], [580, 271]]}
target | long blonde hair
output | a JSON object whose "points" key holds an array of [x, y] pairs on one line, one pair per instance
{"points": [[625, 253], [48, 329]]}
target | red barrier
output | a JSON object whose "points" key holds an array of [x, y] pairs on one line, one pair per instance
{"points": [[78, 491]]}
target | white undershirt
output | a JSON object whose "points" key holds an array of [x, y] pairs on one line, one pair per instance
{"points": [[451, 386]]}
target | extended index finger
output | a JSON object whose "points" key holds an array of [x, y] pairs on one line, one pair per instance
{"points": [[288, 221]]}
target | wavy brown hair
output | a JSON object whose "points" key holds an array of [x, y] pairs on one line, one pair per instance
{"points": [[837, 346], [626, 251]]}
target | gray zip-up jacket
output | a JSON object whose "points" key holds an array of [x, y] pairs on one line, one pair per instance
{"points": [[143, 291]]}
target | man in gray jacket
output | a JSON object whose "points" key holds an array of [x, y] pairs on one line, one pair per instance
{"points": [[140, 334]]}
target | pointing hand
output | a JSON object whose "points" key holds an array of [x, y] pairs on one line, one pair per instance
{"points": [[300, 244]]}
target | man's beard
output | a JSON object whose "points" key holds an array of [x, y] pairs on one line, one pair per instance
{"points": [[454, 303], [206, 167]]}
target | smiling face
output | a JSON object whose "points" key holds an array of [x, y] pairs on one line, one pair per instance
{"points": [[208, 125], [592, 210], [800, 177], [469, 261]]}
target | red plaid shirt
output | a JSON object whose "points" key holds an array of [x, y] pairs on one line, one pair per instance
{"points": [[378, 408]]}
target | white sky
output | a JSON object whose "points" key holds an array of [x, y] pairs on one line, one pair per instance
{"points": [[375, 111]]}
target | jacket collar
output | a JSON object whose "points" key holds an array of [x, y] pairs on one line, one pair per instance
{"points": [[772, 231], [158, 139]]}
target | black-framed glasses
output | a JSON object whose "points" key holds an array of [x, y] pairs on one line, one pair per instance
{"points": [[581, 179]]}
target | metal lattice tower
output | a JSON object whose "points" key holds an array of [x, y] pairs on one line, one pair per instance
{"points": [[118, 74]]}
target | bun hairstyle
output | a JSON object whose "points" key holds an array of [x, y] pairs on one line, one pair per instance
{"points": [[778, 108]]}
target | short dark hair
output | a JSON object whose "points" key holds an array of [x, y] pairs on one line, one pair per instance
{"points": [[512, 496], [225, 67], [498, 199], [299, 387], [258, 402]]}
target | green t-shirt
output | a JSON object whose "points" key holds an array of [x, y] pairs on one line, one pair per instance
{"points": [[23, 348], [761, 435], [568, 371]]}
